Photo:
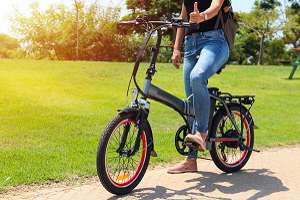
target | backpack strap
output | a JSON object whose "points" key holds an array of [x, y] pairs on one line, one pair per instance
{"points": [[218, 19]]}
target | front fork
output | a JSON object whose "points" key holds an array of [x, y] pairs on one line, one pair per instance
{"points": [[141, 107]]}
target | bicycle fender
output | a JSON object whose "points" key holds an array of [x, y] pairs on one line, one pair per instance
{"points": [[145, 123], [128, 110]]}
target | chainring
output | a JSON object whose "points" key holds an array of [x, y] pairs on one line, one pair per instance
{"points": [[180, 145]]}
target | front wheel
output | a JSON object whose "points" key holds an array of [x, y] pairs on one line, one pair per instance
{"points": [[118, 172], [231, 156]]}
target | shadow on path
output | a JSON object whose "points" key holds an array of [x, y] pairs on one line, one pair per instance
{"points": [[261, 180]]}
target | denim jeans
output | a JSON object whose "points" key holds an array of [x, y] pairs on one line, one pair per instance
{"points": [[205, 53]]}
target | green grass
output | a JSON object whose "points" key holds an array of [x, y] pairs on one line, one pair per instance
{"points": [[52, 113]]}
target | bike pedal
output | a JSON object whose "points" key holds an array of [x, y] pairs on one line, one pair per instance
{"points": [[191, 145]]}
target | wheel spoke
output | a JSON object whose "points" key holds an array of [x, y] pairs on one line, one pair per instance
{"points": [[120, 168], [230, 152]]}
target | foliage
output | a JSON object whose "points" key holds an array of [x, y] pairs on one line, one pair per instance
{"points": [[155, 9], [268, 4], [262, 21], [264, 36], [8, 46], [52, 33], [291, 28], [246, 45]]}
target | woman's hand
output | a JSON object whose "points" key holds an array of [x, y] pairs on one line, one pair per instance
{"points": [[196, 17], [176, 57]]}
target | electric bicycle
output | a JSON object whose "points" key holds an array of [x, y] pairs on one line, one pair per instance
{"points": [[127, 142]]}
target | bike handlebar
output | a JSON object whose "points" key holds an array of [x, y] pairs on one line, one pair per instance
{"points": [[177, 23], [151, 27]]}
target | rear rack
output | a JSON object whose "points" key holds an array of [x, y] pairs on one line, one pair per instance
{"points": [[229, 98], [244, 99]]}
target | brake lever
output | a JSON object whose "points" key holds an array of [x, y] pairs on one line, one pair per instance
{"points": [[178, 22]]}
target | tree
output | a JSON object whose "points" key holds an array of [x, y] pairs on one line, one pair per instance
{"points": [[275, 52], [50, 33], [8, 46], [291, 28], [268, 4], [246, 45], [262, 22], [155, 9], [295, 4], [78, 6]]}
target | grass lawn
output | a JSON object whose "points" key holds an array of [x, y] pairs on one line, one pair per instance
{"points": [[52, 113]]}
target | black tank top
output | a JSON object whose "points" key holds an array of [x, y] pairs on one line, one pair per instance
{"points": [[202, 6]]}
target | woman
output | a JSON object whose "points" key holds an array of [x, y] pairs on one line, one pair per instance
{"points": [[206, 51]]}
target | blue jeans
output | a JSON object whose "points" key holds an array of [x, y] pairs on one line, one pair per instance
{"points": [[205, 53]]}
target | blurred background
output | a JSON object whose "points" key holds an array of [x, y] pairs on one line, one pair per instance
{"points": [[87, 30]]}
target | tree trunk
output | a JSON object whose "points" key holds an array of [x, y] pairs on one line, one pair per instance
{"points": [[77, 29], [77, 35], [261, 50]]}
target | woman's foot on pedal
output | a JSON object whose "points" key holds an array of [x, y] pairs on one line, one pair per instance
{"points": [[189, 165], [198, 139]]}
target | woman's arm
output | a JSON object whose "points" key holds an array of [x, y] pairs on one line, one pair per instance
{"points": [[179, 38], [180, 31], [213, 10]]}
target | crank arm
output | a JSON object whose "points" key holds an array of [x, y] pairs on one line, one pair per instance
{"points": [[193, 145]]}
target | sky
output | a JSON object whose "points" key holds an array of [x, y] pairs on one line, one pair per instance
{"points": [[8, 7]]}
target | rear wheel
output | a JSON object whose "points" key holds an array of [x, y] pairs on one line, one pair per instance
{"points": [[120, 173], [231, 156]]}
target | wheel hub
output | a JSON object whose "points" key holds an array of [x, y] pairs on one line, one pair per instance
{"points": [[231, 134]]}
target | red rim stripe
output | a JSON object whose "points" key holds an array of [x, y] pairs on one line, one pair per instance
{"points": [[141, 163]]}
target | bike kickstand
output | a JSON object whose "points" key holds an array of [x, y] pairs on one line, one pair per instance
{"points": [[256, 150], [252, 149]]}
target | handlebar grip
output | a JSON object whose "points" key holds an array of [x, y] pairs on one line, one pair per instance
{"points": [[185, 24], [182, 25], [178, 22]]}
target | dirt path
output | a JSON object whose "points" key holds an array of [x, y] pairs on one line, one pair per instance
{"points": [[272, 174]]}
